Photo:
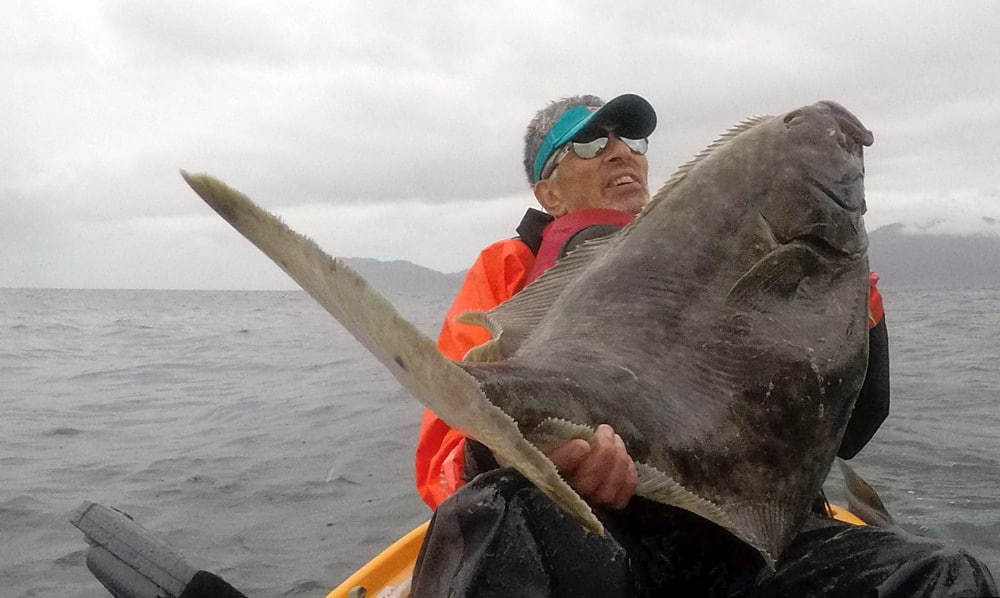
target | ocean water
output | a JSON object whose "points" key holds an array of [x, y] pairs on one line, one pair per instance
{"points": [[260, 440]]}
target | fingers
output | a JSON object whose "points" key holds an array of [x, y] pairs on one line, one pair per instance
{"points": [[617, 474], [602, 470], [598, 471], [621, 484], [567, 457]]}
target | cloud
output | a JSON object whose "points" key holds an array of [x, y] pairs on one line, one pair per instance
{"points": [[969, 211], [419, 108]]}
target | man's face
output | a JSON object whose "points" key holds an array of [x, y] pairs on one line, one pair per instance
{"points": [[616, 179]]}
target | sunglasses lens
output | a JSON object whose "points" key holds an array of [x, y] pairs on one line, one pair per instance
{"points": [[638, 146], [592, 149]]}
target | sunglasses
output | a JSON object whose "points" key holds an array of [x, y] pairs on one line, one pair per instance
{"points": [[591, 149]]}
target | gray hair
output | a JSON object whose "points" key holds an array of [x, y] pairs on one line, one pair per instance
{"points": [[539, 126]]}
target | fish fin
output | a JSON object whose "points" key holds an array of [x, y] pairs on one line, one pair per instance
{"points": [[553, 432], [778, 273], [863, 500], [412, 357], [513, 321], [489, 351], [763, 521], [662, 488]]}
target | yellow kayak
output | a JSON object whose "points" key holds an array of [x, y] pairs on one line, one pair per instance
{"points": [[388, 574], [841, 514]]}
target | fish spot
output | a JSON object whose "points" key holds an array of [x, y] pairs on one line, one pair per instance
{"points": [[399, 362]]}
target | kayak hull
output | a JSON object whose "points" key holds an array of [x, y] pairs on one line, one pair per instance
{"points": [[388, 574]]}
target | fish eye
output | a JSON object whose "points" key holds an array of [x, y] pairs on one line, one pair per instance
{"points": [[793, 118]]}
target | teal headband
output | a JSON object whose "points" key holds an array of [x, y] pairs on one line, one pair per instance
{"points": [[569, 124]]}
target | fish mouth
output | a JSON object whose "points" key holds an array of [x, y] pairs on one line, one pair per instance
{"points": [[828, 219], [850, 202]]}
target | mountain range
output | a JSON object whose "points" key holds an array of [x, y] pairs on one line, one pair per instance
{"points": [[934, 261], [402, 278]]}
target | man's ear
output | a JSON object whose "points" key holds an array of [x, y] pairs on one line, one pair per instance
{"points": [[548, 196]]}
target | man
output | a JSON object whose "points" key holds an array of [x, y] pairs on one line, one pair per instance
{"points": [[500, 535], [589, 195]]}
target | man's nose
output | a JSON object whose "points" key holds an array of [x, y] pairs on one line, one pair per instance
{"points": [[616, 148]]}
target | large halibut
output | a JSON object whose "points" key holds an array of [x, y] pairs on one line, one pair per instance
{"points": [[723, 334]]}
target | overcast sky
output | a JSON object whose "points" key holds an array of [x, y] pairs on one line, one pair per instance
{"points": [[393, 129]]}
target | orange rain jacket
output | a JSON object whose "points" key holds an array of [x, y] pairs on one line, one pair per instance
{"points": [[501, 270]]}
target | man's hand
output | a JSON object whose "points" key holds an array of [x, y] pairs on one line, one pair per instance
{"points": [[600, 470]]}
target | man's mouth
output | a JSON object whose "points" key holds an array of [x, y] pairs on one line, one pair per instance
{"points": [[625, 179]]}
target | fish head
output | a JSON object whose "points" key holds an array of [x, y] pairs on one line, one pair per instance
{"points": [[803, 224], [819, 180], [770, 213]]}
